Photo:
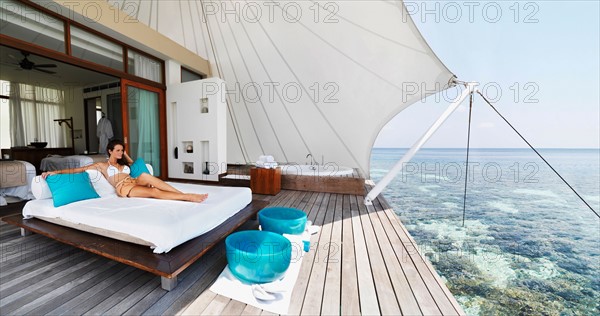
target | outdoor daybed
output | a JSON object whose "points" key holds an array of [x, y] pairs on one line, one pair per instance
{"points": [[124, 229]]}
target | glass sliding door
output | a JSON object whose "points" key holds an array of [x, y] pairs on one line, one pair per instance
{"points": [[143, 115]]}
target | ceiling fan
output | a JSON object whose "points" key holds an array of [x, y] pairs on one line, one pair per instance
{"points": [[27, 64]]}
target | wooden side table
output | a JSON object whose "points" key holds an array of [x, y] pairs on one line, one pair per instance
{"points": [[265, 181]]}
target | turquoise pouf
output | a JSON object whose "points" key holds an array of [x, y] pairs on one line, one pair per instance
{"points": [[258, 256], [282, 220]]}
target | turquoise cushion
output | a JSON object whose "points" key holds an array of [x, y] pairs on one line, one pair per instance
{"points": [[70, 187], [138, 167]]}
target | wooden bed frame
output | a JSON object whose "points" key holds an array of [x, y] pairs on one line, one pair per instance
{"points": [[166, 265]]}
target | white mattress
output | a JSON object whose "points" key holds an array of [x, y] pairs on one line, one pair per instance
{"points": [[24, 191], [164, 224]]}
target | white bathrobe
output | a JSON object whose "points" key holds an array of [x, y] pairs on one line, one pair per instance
{"points": [[104, 132]]}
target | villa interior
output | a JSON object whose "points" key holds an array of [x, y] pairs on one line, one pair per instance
{"points": [[102, 93]]}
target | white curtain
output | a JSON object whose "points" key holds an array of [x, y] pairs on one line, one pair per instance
{"points": [[32, 113], [145, 67]]}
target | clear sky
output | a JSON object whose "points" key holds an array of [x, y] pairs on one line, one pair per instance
{"points": [[543, 58]]}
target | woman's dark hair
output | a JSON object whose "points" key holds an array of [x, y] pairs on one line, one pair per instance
{"points": [[111, 146]]}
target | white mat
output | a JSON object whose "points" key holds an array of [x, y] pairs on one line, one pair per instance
{"points": [[230, 286], [237, 177]]}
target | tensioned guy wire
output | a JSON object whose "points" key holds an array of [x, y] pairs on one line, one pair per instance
{"points": [[467, 162], [523, 138]]}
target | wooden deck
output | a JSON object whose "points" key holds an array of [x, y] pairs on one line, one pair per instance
{"points": [[363, 261]]}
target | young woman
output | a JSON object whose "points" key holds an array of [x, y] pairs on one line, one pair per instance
{"points": [[116, 170]]}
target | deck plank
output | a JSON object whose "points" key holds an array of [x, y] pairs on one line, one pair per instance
{"points": [[444, 299], [349, 291], [23, 249], [383, 286], [333, 280], [200, 283], [417, 285], [216, 305], [33, 261], [369, 302], [394, 218], [200, 303], [234, 308], [403, 291], [91, 291], [44, 290], [120, 296], [66, 292], [15, 288], [106, 293], [123, 306], [146, 302], [301, 286], [251, 310], [316, 280], [208, 266]]}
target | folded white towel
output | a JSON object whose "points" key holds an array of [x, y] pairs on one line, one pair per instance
{"points": [[267, 165], [266, 158]]}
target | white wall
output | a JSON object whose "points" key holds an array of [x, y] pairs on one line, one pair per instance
{"points": [[188, 125], [74, 108]]}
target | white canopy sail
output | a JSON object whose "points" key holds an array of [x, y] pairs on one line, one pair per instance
{"points": [[318, 77]]}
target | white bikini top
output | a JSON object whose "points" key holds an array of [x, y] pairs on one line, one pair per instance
{"points": [[112, 170]]}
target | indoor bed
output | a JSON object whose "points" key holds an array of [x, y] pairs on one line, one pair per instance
{"points": [[58, 162], [15, 179], [124, 229]]}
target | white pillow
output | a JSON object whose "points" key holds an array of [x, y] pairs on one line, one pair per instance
{"points": [[150, 169], [100, 184], [40, 188]]}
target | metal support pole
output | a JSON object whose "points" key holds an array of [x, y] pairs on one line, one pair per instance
{"points": [[416, 146]]}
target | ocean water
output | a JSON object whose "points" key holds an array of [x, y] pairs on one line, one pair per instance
{"points": [[529, 245]]}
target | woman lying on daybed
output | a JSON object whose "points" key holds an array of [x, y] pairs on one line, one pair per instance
{"points": [[116, 170]]}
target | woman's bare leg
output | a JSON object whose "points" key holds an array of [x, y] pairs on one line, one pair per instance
{"points": [[143, 191], [146, 179]]}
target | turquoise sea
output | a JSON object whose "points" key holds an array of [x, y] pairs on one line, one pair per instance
{"points": [[529, 245]]}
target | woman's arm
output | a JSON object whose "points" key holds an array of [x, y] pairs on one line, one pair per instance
{"points": [[73, 170], [127, 158]]}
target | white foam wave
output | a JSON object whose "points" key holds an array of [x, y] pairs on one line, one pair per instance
{"points": [[545, 193], [502, 206], [450, 205], [592, 198], [495, 264], [427, 188], [545, 269]]}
